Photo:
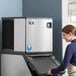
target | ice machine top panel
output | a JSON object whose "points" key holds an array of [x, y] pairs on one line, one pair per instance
{"points": [[39, 34]]}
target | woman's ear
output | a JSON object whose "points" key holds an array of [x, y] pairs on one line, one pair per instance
{"points": [[70, 34]]}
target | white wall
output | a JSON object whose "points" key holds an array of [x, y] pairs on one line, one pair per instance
{"points": [[64, 22]]}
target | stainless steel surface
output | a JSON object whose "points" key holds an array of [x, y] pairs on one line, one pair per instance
{"points": [[39, 38], [19, 34], [14, 65]]}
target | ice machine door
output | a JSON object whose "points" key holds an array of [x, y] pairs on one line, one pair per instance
{"points": [[39, 35]]}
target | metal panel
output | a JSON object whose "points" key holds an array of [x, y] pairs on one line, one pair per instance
{"points": [[14, 65], [19, 34], [39, 35]]}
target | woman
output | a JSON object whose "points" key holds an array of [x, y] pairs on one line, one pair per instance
{"points": [[69, 61]]}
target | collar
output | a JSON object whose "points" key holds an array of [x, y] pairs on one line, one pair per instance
{"points": [[73, 40]]}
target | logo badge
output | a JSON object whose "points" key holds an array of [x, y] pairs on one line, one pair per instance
{"points": [[31, 22], [29, 47]]}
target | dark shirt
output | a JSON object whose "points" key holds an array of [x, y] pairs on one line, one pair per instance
{"points": [[70, 57]]}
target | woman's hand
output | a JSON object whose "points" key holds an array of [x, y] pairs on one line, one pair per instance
{"points": [[49, 72]]}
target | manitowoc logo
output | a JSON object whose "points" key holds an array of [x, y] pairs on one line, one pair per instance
{"points": [[31, 22], [29, 47]]}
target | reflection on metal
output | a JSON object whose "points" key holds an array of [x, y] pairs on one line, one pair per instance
{"points": [[13, 65]]}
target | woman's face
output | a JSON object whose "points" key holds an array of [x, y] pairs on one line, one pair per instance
{"points": [[67, 37]]}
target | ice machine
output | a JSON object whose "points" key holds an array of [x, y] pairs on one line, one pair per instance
{"points": [[39, 46], [34, 37]]}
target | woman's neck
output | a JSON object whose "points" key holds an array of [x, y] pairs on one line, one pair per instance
{"points": [[73, 38]]}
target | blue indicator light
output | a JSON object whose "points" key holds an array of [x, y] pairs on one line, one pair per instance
{"points": [[29, 47]]}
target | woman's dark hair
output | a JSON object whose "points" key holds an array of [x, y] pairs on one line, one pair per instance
{"points": [[69, 28]]}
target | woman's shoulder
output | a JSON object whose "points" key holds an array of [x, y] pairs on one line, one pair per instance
{"points": [[72, 45]]}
